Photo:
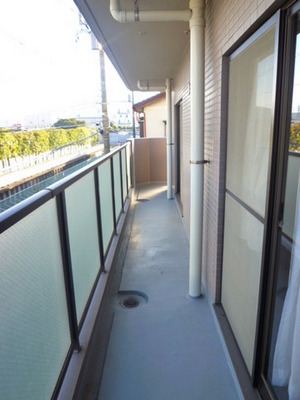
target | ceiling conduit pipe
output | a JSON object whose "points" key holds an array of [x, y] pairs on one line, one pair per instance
{"points": [[146, 86], [147, 16], [197, 31]]}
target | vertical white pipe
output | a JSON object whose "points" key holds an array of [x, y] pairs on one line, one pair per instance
{"points": [[169, 137], [197, 29]]}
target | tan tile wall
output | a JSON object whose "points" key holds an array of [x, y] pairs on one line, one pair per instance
{"points": [[181, 94], [226, 22], [150, 160]]}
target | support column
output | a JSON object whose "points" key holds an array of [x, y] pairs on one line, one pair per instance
{"points": [[169, 137], [197, 29]]}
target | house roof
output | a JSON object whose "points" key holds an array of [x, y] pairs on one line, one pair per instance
{"points": [[149, 51], [139, 107]]}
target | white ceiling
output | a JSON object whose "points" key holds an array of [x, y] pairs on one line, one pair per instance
{"points": [[139, 51]]}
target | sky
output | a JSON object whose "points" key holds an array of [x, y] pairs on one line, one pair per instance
{"points": [[47, 62], [48, 65]]}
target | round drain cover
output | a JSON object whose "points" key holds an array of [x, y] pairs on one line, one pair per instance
{"points": [[130, 302]]}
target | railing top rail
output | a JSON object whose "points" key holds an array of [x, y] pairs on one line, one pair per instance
{"points": [[19, 211], [294, 153], [63, 183]]}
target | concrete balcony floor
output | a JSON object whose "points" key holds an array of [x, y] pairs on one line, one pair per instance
{"points": [[169, 348]]}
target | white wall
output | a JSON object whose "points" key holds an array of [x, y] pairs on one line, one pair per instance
{"points": [[155, 114]]}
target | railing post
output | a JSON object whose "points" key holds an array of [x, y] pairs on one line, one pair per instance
{"points": [[121, 179], [133, 163], [67, 266], [113, 192], [99, 219], [126, 169]]}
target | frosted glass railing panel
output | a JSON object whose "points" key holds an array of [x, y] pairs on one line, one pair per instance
{"points": [[243, 240], [104, 173], [128, 153], [83, 233], [34, 329], [117, 186], [124, 172]]}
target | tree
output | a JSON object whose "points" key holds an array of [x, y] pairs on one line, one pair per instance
{"points": [[58, 138], [113, 127], [41, 141], [68, 122], [26, 143], [77, 134], [295, 137], [9, 145]]}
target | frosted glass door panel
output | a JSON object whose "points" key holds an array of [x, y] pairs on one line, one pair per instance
{"points": [[106, 203], [124, 172], [83, 233], [241, 274], [34, 328], [250, 115], [117, 177]]}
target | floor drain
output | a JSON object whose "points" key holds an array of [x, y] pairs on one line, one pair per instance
{"points": [[130, 302], [130, 299], [142, 200]]}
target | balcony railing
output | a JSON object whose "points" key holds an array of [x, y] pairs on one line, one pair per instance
{"points": [[53, 250]]}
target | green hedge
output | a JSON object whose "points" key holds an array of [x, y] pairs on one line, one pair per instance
{"points": [[16, 144], [295, 137]]}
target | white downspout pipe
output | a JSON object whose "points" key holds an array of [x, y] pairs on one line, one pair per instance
{"points": [[146, 86], [197, 30], [169, 138], [147, 16]]}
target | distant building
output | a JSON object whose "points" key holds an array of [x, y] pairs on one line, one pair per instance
{"points": [[296, 116], [16, 127], [152, 116], [120, 113]]}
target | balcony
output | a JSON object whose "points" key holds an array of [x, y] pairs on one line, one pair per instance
{"points": [[70, 256]]}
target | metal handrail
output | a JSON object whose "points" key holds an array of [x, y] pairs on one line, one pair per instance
{"points": [[19, 211]]}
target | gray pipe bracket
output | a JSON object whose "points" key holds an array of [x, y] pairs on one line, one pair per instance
{"points": [[199, 162]]}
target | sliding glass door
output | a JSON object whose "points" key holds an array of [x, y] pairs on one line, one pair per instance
{"points": [[251, 107], [280, 374], [261, 252]]}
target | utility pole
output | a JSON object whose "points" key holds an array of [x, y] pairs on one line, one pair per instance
{"points": [[104, 117], [104, 102], [97, 46]]}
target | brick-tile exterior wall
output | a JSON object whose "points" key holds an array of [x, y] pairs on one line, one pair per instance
{"points": [[226, 22], [181, 87]]}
